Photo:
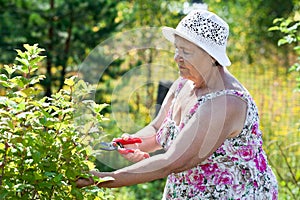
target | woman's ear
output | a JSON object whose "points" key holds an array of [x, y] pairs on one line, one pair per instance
{"points": [[214, 62]]}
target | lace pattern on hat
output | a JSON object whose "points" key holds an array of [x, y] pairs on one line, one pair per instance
{"points": [[206, 29]]}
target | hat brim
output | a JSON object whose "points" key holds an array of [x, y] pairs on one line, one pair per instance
{"points": [[169, 33]]}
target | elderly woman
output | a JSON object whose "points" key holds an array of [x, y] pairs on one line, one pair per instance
{"points": [[208, 125]]}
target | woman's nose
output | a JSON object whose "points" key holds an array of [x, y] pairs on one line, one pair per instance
{"points": [[178, 57]]}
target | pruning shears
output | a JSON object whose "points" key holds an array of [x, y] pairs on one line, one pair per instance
{"points": [[118, 145]]}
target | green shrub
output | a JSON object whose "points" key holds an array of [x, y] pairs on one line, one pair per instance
{"points": [[290, 29], [288, 172], [42, 149]]}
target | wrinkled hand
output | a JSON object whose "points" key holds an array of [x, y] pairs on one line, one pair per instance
{"points": [[135, 154], [83, 182]]}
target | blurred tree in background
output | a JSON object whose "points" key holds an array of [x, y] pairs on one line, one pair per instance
{"points": [[70, 30]]}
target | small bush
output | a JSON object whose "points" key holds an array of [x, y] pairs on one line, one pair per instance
{"points": [[42, 149]]}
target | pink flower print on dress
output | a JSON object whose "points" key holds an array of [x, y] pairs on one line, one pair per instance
{"points": [[198, 179], [223, 178], [255, 184], [246, 152], [238, 93], [234, 159], [238, 189], [220, 150], [209, 169], [260, 162], [193, 110], [254, 128], [274, 194], [181, 125], [180, 85]]}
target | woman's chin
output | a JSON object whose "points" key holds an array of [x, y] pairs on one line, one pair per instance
{"points": [[183, 74]]}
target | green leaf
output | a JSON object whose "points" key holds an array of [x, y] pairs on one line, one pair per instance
{"points": [[295, 67], [274, 28], [7, 84], [71, 173], [277, 20], [99, 107], [297, 49], [20, 81], [77, 193], [23, 69], [50, 174], [21, 54], [105, 179], [9, 70], [90, 164], [36, 157], [3, 77], [30, 48], [2, 146], [58, 178], [36, 79], [282, 42], [37, 175], [70, 81], [3, 100], [33, 63], [24, 62], [21, 107], [294, 27], [3, 193]]}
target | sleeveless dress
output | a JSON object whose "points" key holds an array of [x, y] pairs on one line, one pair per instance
{"points": [[237, 170]]}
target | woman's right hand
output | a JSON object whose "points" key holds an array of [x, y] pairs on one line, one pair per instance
{"points": [[132, 152], [135, 156]]}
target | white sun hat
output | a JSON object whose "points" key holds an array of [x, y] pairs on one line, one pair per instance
{"points": [[206, 30]]}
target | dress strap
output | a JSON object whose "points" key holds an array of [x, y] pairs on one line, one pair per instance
{"points": [[178, 89], [242, 95], [180, 86]]}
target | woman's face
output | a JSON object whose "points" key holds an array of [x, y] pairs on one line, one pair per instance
{"points": [[193, 62]]}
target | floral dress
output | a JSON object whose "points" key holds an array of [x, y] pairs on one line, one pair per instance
{"points": [[238, 169]]}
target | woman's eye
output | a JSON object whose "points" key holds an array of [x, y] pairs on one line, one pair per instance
{"points": [[186, 52]]}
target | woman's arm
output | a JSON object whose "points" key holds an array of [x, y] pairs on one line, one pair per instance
{"points": [[148, 133], [214, 121]]}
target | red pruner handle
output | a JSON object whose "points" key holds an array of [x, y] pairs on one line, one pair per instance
{"points": [[146, 155], [128, 141], [125, 151]]}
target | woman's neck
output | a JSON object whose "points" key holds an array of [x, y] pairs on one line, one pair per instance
{"points": [[212, 81]]}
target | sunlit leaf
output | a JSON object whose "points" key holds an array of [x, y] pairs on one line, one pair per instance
{"points": [[9, 70], [276, 20], [282, 41], [90, 164], [70, 81], [274, 28], [105, 179], [25, 64]]}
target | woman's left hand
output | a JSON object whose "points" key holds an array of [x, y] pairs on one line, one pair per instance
{"points": [[83, 182]]}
